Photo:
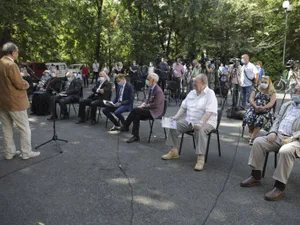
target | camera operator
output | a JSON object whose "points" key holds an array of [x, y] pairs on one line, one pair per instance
{"points": [[235, 80]]}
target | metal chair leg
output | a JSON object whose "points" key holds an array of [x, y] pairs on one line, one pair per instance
{"points": [[265, 164], [219, 147], [74, 109], [207, 147], [194, 141], [106, 122], [181, 141], [243, 130], [165, 133], [151, 126], [275, 159]]}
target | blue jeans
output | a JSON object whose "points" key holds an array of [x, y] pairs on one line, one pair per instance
{"points": [[246, 91], [118, 113]]}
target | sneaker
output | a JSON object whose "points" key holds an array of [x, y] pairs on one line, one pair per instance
{"points": [[172, 154], [200, 163], [115, 128], [31, 155], [11, 157]]}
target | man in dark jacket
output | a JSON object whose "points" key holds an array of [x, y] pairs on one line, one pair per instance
{"points": [[102, 91], [153, 108], [123, 102], [73, 89]]}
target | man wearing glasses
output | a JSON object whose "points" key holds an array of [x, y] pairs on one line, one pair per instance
{"points": [[201, 108], [13, 104], [282, 138]]}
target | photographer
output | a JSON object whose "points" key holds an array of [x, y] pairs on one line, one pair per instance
{"points": [[235, 80]]}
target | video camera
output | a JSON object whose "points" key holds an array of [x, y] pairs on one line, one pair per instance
{"points": [[292, 64], [234, 62]]}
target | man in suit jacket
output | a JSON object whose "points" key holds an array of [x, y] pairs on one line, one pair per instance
{"points": [[153, 108], [73, 89], [283, 138], [14, 104], [102, 91], [123, 102]]}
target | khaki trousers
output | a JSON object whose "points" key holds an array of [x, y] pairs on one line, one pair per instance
{"points": [[20, 118], [287, 155], [200, 135]]}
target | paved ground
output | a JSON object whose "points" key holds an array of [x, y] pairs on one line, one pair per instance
{"points": [[85, 185]]}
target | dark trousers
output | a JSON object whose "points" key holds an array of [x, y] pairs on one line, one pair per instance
{"points": [[118, 113], [235, 95], [93, 103], [86, 80], [135, 116], [95, 74], [62, 101], [162, 84]]}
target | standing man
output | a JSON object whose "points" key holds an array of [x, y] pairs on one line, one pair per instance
{"points": [[13, 104], [153, 108], [95, 70], [200, 109], [195, 72], [249, 75]]}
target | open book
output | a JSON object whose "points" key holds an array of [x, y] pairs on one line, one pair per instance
{"points": [[168, 123], [109, 103]]}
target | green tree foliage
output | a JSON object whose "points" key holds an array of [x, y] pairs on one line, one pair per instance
{"points": [[124, 30]]}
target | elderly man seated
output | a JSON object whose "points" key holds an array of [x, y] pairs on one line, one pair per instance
{"points": [[101, 91], [201, 108], [153, 108], [70, 95], [283, 138]]}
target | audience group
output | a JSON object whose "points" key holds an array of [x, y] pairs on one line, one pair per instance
{"points": [[198, 111]]}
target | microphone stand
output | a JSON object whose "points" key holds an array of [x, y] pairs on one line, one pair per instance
{"points": [[55, 137]]}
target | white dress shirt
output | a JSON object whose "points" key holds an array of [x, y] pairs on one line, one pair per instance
{"points": [[197, 105], [251, 71]]}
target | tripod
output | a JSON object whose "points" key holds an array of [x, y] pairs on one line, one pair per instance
{"points": [[55, 137]]}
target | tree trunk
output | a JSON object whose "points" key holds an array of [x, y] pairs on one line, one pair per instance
{"points": [[98, 35]]}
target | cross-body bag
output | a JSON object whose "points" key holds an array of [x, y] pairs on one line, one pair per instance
{"points": [[252, 80]]}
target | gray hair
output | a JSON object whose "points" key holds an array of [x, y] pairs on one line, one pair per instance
{"points": [[154, 76], [8, 48], [202, 77]]}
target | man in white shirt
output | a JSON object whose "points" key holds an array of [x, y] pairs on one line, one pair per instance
{"points": [[201, 108], [95, 70], [249, 75]]}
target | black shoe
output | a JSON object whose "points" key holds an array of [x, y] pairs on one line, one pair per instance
{"points": [[93, 122], [80, 120], [51, 118], [65, 117], [124, 129], [133, 139]]}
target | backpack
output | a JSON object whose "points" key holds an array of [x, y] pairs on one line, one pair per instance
{"points": [[236, 113]]}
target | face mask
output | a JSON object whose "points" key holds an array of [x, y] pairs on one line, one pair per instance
{"points": [[243, 61], [53, 75], [70, 79], [147, 82], [264, 85], [296, 98], [120, 83], [101, 79]]}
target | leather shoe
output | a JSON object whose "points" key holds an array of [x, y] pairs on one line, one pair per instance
{"points": [[13, 156], [124, 129], [133, 139], [250, 182], [80, 120], [274, 194], [93, 122]]}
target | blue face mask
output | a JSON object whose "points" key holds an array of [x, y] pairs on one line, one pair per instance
{"points": [[264, 85], [120, 83], [243, 61], [147, 82], [296, 98], [70, 79]]}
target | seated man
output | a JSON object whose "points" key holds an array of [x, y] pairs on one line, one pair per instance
{"points": [[153, 108], [201, 108], [283, 138], [123, 102], [102, 91], [71, 95]]}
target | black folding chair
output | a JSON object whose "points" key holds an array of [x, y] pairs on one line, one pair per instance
{"points": [[214, 131], [266, 161], [151, 122]]}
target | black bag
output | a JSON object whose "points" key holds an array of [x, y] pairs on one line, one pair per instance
{"points": [[236, 113]]}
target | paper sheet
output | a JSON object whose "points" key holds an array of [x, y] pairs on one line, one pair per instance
{"points": [[168, 123]]}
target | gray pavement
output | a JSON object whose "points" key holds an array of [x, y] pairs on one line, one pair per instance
{"points": [[86, 186]]}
